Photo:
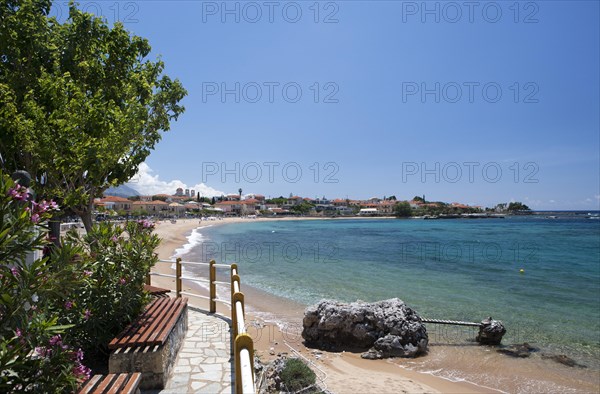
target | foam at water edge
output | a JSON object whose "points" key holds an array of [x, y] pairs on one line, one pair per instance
{"points": [[195, 238], [450, 376]]}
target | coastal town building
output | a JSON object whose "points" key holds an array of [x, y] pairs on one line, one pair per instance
{"points": [[155, 207], [113, 203]]}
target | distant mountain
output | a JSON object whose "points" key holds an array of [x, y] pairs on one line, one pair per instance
{"points": [[121, 191]]}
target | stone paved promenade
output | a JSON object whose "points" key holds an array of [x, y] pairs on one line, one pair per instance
{"points": [[204, 363]]}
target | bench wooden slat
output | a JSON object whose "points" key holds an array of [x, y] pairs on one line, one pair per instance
{"points": [[133, 383], [153, 323], [117, 384], [136, 325], [170, 323], [131, 328], [105, 383], [153, 326], [159, 309], [89, 386], [161, 324], [112, 384]]}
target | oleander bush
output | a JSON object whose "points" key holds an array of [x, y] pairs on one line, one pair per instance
{"points": [[72, 300], [33, 355], [118, 258]]}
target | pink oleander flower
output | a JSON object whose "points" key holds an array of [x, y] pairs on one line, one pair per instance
{"points": [[56, 340], [68, 305], [18, 333], [79, 355], [147, 224], [35, 218], [122, 281], [15, 271], [42, 351], [18, 192], [43, 206], [114, 238], [87, 273], [82, 372], [87, 314]]}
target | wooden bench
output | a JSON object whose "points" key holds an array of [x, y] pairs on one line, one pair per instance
{"points": [[156, 291], [126, 383], [150, 344]]}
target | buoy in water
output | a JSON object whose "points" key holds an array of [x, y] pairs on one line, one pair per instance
{"points": [[522, 271]]}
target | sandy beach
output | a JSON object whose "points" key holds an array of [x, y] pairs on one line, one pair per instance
{"points": [[343, 372]]}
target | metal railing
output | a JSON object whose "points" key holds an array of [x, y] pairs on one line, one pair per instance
{"points": [[243, 346]]}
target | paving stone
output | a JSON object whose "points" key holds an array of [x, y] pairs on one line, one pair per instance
{"points": [[197, 360], [197, 385], [213, 376], [182, 369], [212, 367], [211, 388]]}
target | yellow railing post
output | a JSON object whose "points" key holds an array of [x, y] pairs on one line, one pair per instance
{"points": [[234, 268], [213, 286], [234, 316], [178, 277], [243, 341], [148, 278]]}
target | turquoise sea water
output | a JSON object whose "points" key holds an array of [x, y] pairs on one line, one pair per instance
{"points": [[451, 269]]}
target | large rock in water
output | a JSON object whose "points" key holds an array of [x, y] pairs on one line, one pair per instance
{"points": [[387, 328], [490, 332]]}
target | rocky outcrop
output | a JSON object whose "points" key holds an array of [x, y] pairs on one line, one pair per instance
{"points": [[562, 359], [490, 332], [518, 350], [387, 328]]}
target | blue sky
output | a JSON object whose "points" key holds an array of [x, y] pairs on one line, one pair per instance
{"points": [[487, 104]]}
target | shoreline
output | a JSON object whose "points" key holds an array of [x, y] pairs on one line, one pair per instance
{"points": [[339, 372]]}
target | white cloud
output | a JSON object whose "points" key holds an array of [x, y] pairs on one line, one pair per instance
{"points": [[148, 184]]}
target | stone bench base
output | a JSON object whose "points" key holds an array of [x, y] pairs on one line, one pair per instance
{"points": [[154, 362]]}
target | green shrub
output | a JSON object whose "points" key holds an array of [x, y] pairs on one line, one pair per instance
{"points": [[116, 263], [296, 375]]}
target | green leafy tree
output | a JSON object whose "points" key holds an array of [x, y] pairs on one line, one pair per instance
{"points": [[517, 206], [278, 201], [302, 208], [402, 209], [159, 197], [81, 107]]}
